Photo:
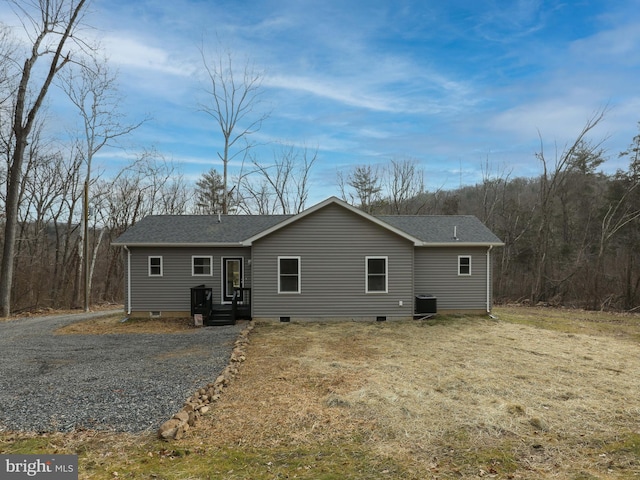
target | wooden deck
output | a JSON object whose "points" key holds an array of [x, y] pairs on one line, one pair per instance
{"points": [[220, 314]]}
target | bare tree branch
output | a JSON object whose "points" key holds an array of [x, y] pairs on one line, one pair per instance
{"points": [[232, 103]]}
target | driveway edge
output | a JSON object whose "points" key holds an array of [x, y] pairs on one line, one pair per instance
{"points": [[199, 403]]}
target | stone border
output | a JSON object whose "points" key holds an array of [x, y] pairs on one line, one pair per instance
{"points": [[199, 403]]}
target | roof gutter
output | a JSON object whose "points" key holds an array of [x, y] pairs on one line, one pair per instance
{"points": [[248, 243], [128, 279]]}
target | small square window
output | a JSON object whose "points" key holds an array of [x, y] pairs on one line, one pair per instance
{"points": [[464, 265], [155, 266], [201, 266]]}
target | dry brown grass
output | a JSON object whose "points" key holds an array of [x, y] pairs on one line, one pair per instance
{"points": [[465, 396], [114, 324]]}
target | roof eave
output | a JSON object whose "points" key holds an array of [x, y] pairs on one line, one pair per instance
{"points": [[454, 243], [177, 244]]}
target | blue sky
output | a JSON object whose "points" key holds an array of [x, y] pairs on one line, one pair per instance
{"points": [[450, 84]]}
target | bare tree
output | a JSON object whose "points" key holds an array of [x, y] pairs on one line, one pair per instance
{"points": [[256, 196], [50, 26], [617, 216], [174, 198], [149, 186], [66, 226], [551, 181], [40, 188], [492, 189], [405, 184], [283, 185], [92, 88], [232, 102]]}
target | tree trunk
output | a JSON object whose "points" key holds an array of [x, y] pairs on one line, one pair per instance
{"points": [[93, 266], [10, 229]]}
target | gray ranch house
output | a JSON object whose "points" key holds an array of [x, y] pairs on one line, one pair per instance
{"points": [[331, 261]]}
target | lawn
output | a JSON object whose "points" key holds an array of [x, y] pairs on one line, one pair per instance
{"points": [[535, 393]]}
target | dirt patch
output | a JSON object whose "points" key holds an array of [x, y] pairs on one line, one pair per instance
{"points": [[115, 324], [463, 395]]}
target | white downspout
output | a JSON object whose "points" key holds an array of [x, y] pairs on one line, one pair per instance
{"points": [[128, 280], [489, 279]]}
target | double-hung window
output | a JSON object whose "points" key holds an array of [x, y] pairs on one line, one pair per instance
{"points": [[288, 274], [464, 265], [376, 274], [201, 266], [155, 266]]}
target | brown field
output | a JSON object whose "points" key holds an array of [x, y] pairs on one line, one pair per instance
{"points": [[537, 393]]}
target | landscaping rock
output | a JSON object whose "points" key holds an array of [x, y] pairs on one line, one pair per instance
{"points": [[182, 416], [168, 429]]}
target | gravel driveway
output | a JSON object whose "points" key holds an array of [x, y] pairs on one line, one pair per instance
{"points": [[121, 382]]}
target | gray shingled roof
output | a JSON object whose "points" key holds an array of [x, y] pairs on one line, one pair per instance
{"points": [[440, 228], [233, 229], [196, 229]]}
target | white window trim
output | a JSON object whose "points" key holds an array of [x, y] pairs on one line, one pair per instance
{"points": [[459, 265], [193, 266], [149, 266], [386, 274], [289, 257]]}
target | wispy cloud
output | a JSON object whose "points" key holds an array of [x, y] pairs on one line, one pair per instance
{"points": [[330, 90], [502, 22]]}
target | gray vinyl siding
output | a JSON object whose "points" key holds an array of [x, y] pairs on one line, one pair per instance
{"points": [[171, 292], [436, 273], [332, 244]]}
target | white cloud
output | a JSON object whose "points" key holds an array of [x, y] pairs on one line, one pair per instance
{"points": [[127, 51]]}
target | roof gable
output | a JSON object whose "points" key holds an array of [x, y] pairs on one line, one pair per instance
{"points": [[331, 201]]}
